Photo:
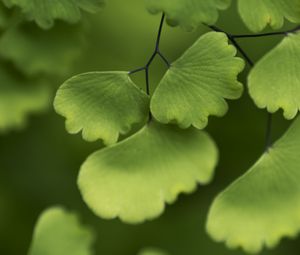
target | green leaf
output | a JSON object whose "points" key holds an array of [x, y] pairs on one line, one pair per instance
{"points": [[189, 13], [152, 251], [134, 179], [263, 205], [257, 14], [18, 99], [35, 51], [275, 81], [45, 12], [59, 232], [197, 84], [102, 105]]}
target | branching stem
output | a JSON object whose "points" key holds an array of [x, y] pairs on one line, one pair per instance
{"points": [[154, 54], [232, 38]]}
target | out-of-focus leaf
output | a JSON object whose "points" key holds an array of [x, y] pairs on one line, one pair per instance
{"points": [[189, 13], [44, 12], [35, 51], [18, 99], [59, 232]]}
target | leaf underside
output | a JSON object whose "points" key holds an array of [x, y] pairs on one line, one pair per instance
{"points": [[101, 104], [189, 13], [59, 232], [257, 14], [263, 205], [45, 12], [134, 179], [197, 84], [274, 82]]}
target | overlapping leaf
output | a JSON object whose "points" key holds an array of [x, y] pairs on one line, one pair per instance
{"points": [[45, 12], [102, 105], [35, 51], [18, 99], [189, 13], [197, 84], [263, 205], [59, 232], [257, 14], [275, 81], [134, 179]]}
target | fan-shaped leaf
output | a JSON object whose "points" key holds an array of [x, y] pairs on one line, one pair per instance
{"points": [[18, 99], [189, 13], [59, 233], [133, 179], [257, 14], [44, 12], [275, 81], [102, 105], [263, 205], [36, 51], [197, 84]]}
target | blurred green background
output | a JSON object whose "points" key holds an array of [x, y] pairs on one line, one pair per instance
{"points": [[39, 163]]}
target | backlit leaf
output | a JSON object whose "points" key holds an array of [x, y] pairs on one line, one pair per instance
{"points": [[45, 12], [197, 84], [263, 205], [275, 81], [18, 99], [189, 13], [134, 179], [257, 14], [102, 105], [59, 232]]}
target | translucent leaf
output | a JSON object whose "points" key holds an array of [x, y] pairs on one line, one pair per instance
{"points": [[152, 251], [59, 232], [263, 205], [257, 14], [275, 81], [36, 51], [44, 12], [198, 83], [189, 13], [102, 105], [18, 99], [134, 179]]}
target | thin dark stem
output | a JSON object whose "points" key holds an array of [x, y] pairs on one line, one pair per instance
{"points": [[296, 29], [149, 62], [235, 43], [232, 38], [156, 52]]}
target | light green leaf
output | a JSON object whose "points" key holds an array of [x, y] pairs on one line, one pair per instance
{"points": [[59, 232], [18, 99], [102, 105], [152, 251], [263, 205], [36, 51], [257, 14], [197, 84], [189, 13], [275, 81], [44, 12], [134, 179]]}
